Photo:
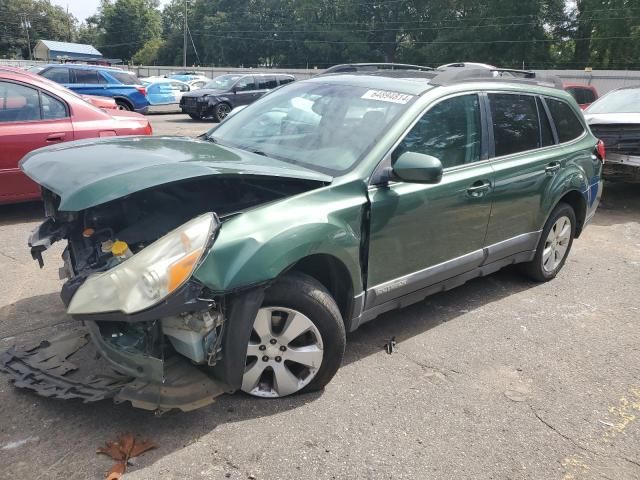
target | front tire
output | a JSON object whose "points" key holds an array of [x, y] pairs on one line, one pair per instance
{"points": [[554, 245], [221, 110], [297, 342]]}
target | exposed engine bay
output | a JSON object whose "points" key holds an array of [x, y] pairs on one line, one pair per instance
{"points": [[160, 355]]}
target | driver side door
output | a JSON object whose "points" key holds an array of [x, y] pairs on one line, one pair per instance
{"points": [[245, 91], [423, 234]]}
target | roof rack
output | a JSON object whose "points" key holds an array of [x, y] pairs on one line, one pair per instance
{"points": [[374, 67], [449, 77]]}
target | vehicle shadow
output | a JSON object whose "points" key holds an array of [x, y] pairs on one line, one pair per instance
{"points": [[620, 204], [21, 212], [97, 422]]}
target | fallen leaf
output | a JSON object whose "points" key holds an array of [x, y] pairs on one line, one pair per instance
{"points": [[142, 447], [117, 471], [112, 450], [121, 451]]}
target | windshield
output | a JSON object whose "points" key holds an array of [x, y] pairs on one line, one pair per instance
{"points": [[223, 82], [619, 101], [326, 127]]}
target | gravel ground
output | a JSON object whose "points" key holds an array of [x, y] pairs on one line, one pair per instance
{"points": [[499, 379]]}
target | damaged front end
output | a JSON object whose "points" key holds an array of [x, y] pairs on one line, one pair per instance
{"points": [[151, 333]]}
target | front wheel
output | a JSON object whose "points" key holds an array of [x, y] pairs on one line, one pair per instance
{"points": [[297, 342], [554, 245], [221, 110]]}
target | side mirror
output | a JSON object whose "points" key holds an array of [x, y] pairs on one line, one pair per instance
{"points": [[415, 167]]}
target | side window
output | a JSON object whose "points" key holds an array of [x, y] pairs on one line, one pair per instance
{"points": [[285, 80], [267, 83], [545, 127], [52, 108], [582, 95], [87, 76], [516, 127], [450, 131], [57, 74], [18, 103], [567, 124], [245, 84]]}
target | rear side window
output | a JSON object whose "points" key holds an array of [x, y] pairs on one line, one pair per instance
{"points": [[267, 83], [567, 124], [582, 95], [126, 78], [450, 131], [88, 76], [516, 127], [52, 108], [285, 80], [57, 74]]}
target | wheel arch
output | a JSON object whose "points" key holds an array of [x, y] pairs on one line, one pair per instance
{"points": [[124, 100], [333, 274], [579, 204]]}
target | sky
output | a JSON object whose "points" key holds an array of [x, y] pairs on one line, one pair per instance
{"points": [[82, 9]]}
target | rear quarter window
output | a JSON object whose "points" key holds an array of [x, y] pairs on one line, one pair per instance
{"points": [[568, 126]]}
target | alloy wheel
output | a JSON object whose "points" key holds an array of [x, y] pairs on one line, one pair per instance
{"points": [[284, 354], [556, 244], [223, 110]]}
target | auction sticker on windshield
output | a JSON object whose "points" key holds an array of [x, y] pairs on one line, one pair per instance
{"points": [[386, 96]]}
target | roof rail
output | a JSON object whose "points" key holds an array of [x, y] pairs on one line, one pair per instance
{"points": [[374, 67], [450, 77]]}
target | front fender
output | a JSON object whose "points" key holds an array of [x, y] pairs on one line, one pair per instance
{"points": [[258, 245]]}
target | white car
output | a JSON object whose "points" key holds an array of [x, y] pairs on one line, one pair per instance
{"points": [[164, 94]]}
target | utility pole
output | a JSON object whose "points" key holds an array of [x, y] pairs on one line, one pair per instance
{"points": [[26, 25], [184, 43]]}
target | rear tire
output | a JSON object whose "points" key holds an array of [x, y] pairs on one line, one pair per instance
{"points": [[554, 245], [124, 105], [300, 297]]}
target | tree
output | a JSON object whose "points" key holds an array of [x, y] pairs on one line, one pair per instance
{"points": [[149, 53], [127, 26]]}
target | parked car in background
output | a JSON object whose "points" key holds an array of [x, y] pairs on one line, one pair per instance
{"points": [[164, 93], [196, 84], [189, 76], [615, 119], [218, 97], [585, 95], [35, 112], [123, 86], [239, 260]]}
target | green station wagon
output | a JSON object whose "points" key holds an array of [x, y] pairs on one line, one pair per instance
{"points": [[239, 260]]}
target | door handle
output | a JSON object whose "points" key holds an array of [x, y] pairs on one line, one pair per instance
{"points": [[479, 188], [56, 137], [552, 168]]}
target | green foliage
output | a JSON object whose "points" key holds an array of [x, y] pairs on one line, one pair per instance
{"points": [[301, 33], [149, 53]]}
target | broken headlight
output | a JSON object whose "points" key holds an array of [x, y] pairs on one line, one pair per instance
{"points": [[150, 275]]}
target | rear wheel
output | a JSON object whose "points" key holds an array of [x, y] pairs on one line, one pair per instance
{"points": [[123, 105], [554, 245], [297, 342], [220, 111]]}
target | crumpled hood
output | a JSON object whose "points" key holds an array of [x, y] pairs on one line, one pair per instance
{"points": [[86, 173], [612, 118]]}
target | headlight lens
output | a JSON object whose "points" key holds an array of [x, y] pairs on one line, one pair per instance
{"points": [[150, 275]]}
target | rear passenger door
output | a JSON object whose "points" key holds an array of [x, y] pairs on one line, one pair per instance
{"points": [[88, 82], [525, 161]]}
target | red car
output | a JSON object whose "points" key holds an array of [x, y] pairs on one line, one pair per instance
{"points": [[35, 112], [585, 95]]}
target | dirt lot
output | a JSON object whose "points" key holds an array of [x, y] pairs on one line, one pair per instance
{"points": [[499, 379]]}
